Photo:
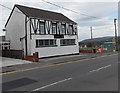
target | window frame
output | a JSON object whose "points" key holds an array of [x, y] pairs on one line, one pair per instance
{"points": [[54, 25], [63, 25], [70, 32], [67, 42], [41, 23], [46, 43]]}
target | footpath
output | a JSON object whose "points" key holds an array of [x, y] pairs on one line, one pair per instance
{"points": [[9, 64]]}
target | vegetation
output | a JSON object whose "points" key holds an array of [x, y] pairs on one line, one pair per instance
{"points": [[97, 43]]}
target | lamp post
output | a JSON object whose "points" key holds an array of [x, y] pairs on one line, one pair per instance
{"points": [[115, 34], [92, 42]]}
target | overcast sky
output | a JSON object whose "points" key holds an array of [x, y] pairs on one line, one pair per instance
{"points": [[90, 13]]}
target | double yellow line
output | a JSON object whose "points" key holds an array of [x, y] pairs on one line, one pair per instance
{"points": [[51, 65]]}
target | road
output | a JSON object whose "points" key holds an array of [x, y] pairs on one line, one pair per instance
{"points": [[92, 74]]}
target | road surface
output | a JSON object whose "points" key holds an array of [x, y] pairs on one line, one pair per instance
{"points": [[92, 74]]}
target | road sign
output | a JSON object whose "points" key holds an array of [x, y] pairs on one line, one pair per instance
{"points": [[113, 40]]}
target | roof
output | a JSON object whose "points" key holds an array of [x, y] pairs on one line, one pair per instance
{"points": [[43, 14]]}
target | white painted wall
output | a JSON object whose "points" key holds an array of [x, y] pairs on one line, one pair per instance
{"points": [[15, 29], [53, 51]]}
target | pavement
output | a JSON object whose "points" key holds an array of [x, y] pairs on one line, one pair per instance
{"points": [[90, 72], [10, 64]]}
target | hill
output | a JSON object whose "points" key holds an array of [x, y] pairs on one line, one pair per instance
{"points": [[101, 39]]}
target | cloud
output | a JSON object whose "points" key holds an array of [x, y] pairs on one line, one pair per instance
{"points": [[102, 14]]}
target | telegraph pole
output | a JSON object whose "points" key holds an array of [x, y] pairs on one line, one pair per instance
{"points": [[91, 33], [115, 34], [92, 43]]}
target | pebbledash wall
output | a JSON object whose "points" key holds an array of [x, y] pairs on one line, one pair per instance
{"points": [[15, 32]]}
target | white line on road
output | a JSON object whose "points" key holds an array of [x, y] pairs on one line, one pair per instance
{"points": [[100, 68], [52, 84], [37, 89]]}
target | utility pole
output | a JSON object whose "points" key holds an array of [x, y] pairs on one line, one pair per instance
{"points": [[92, 42], [91, 33], [115, 34]]}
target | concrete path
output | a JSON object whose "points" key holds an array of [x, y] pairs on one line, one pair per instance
{"points": [[10, 61]]}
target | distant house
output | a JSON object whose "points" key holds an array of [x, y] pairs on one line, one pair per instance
{"points": [[35, 30], [4, 44]]}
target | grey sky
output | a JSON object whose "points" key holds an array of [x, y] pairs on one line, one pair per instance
{"points": [[104, 12]]}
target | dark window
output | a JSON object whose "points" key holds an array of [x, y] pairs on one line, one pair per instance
{"points": [[41, 42], [37, 43], [65, 42], [42, 27], [70, 29], [46, 43], [63, 28], [72, 41], [54, 42], [54, 28], [51, 42]]}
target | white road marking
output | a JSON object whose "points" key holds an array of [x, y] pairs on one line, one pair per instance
{"points": [[52, 84], [100, 68], [37, 89]]}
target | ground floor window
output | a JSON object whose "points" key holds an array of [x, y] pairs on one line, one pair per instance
{"points": [[4, 45], [45, 43], [65, 42]]}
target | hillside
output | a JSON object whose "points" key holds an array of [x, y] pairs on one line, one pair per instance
{"points": [[108, 38]]}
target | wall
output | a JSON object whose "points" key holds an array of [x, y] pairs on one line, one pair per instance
{"points": [[53, 51], [50, 51], [15, 29], [12, 53]]}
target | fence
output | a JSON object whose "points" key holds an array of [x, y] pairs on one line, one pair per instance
{"points": [[18, 54], [86, 51]]}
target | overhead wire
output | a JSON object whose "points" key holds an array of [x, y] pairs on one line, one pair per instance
{"points": [[9, 8], [77, 13], [59, 7], [71, 10], [102, 27]]}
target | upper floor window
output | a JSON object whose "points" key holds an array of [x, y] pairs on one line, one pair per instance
{"points": [[70, 29], [42, 28], [63, 28], [54, 28]]}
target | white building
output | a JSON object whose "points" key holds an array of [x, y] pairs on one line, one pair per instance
{"points": [[4, 45], [35, 30]]}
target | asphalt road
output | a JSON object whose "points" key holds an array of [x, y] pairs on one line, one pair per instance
{"points": [[92, 74]]}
